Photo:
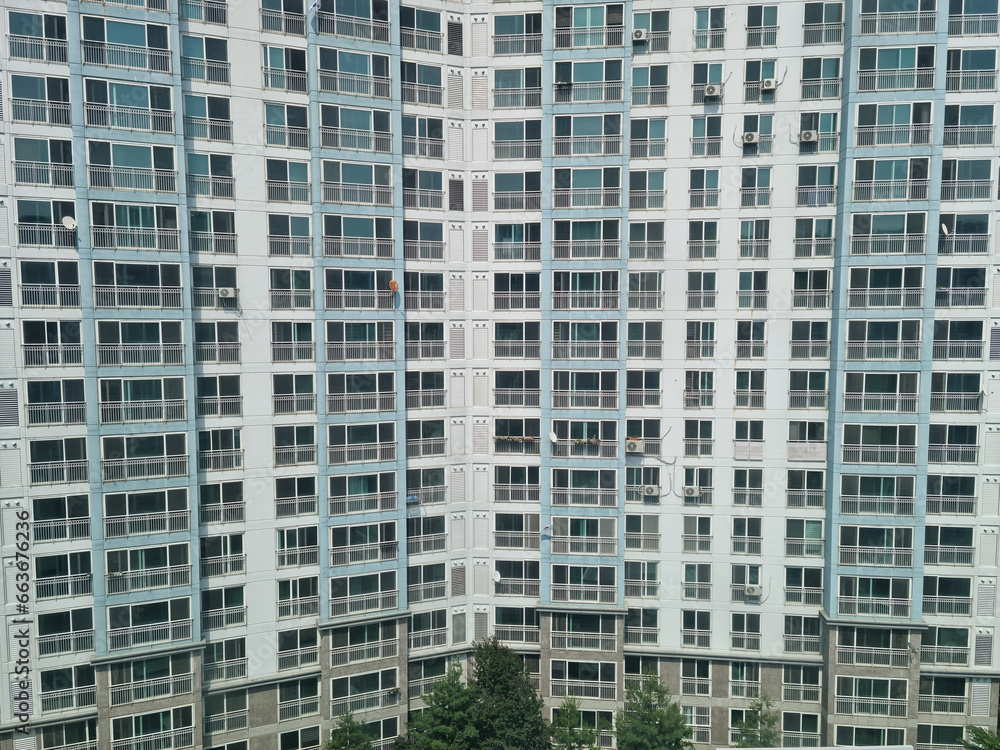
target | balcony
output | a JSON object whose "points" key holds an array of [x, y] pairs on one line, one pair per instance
{"points": [[151, 578], [303, 606], [357, 85], [751, 349], [284, 79], [132, 238], [220, 243], [517, 44], [420, 545], [430, 148], [353, 27], [429, 638], [942, 704], [969, 403], [294, 455], [58, 472], [371, 651], [886, 297], [220, 460], [900, 403], [419, 250], [586, 197], [361, 453], [907, 351], [225, 352], [364, 702], [971, 80], [589, 36], [584, 497], [225, 565], [37, 49], [422, 93], [695, 398], [211, 186], [819, 247], [150, 297], [743, 688], [586, 300], [150, 467], [43, 174], [181, 737], [516, 633], [356, 193], [894, 707], [872, 136], [116, 527], [517, 587], [808, 399], [647, 148], [939, 555], [803, 595], [40, 112], [703, 198], [584, 593], [972, 25], [144, 635], [874, 657], [297, 658], [295, 506], [583, 689], [709, 39], [948, 605], [909, 22], [586, 249], [345, 403], [421, 198], [873, 606], [696, 639], [585, 448], [896, 80], [423, 447], [587, 350], [288, 192], [208, 129], [517, 540], [126, 56], [960, 297], [964, 505], [958, 350], [426, 495], [565, 545], [702, 249], [424, 399], [747, 545], [955, 656], [650, 96], [696, 591], [969, 135], [565, 92], [580, 145], [233, 669], [517, 251], [369, 503], [217, 619], [425, 300], [880, 557], [904, 455], [132, 178], [64, 586], [280, 22], [584, 399], [56, 413], [821, 88], [144, 690], [651, 542], [584, 641], [377, 602], [953, 454], [516, 493], [646, 350], [802, 644], [867, 505], [967, 190], [230, 721]]}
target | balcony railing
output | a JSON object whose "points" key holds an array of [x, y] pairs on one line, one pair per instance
{"points": [[221, 243], [566, 545], [370, 651], [139, 297], [598, 91], [941, 555], [586, 249], [589, 36], [39, 111], [895, 707], [380, 351], [150, 467], [592, 448], [58, 472], [593, 300], [364, 702], [896, 80], [583, 689], [967, 190], [43, 174], [584, 350], [126, 56], [584, 593], [886, 557], [356, 193], [604, 498], [230, 721], [892, 135], [517, 44], [142, 635], [803, 595], [584, 399], [132, 238], [208, 129], [132, 178], [892, 350], [144, 690], [517, 587], [873, 606], [172, 739], [802, 644], [971, 80], [887, 297], [361, 453], [295, 658], [972, 24], [821, 88], [874, 657], [151, 578], [907, 22], [64, 586], [225, 565], [353, 27], [232, 669], [948, 605], [952, 655], [903, 403], [377, 602], [37, 49], [584, 641]]}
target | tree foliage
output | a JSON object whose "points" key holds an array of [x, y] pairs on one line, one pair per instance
{"points": [[565, 732], [450, 721], [761, 725], [978, 738], [651, 719], [349, 734], [497, 710]]}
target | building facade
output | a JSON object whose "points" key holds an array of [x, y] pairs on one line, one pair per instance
{"points": [[435, 242]]}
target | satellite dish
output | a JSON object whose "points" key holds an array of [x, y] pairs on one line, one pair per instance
{"points": [[553, 437], [69, 222], [496, 576], [944, 230]]}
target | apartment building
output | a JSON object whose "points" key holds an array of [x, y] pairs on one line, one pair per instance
{"points": [[336, 338]]}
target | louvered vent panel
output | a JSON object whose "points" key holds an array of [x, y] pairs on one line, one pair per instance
{"points": [[481, 441], [458, 627], [480, 245], [456, 293], [457, 348], [455, 97], [481, 196], [458, 580], [482, 621], [8, 408]]}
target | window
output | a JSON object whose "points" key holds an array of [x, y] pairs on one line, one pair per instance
{"points": [[207, 118], [710, 28], [821, 77], [206, 59], [762, 25]]}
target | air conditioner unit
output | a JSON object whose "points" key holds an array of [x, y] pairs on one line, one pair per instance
{"points": [[753, 590], [692, 491], [633, 446], [713, 90], [751, 137], [226, 292], [769, 84], [639, 35], [808, 136], [651, 490]]}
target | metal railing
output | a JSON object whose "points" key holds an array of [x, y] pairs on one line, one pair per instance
{"points": [[422, 93], [225, 565], [604, 498], [40, 112], [149, 467], [821, 88], [353, 27], [206, 11], [873, 657], [232, 669], [144, 690], [881, 557], [971, 80], [134, 238], [200, 69], [127, 56], [122, 638], [380, 351], [580, 145], [151, 578], [517, 98], [37, 49], [517, 44], [873, 606], [597, 91], [43, 173], [892, 135], [207, 129], [138, 296], [361, 453], [589, 36], [907, 22]]}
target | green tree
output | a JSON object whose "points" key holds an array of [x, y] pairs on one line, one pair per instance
{"points": [[761, 725], [651, 719], [451, 719], [565, 732], [349, 734], [978, 738], [510, 709]]}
